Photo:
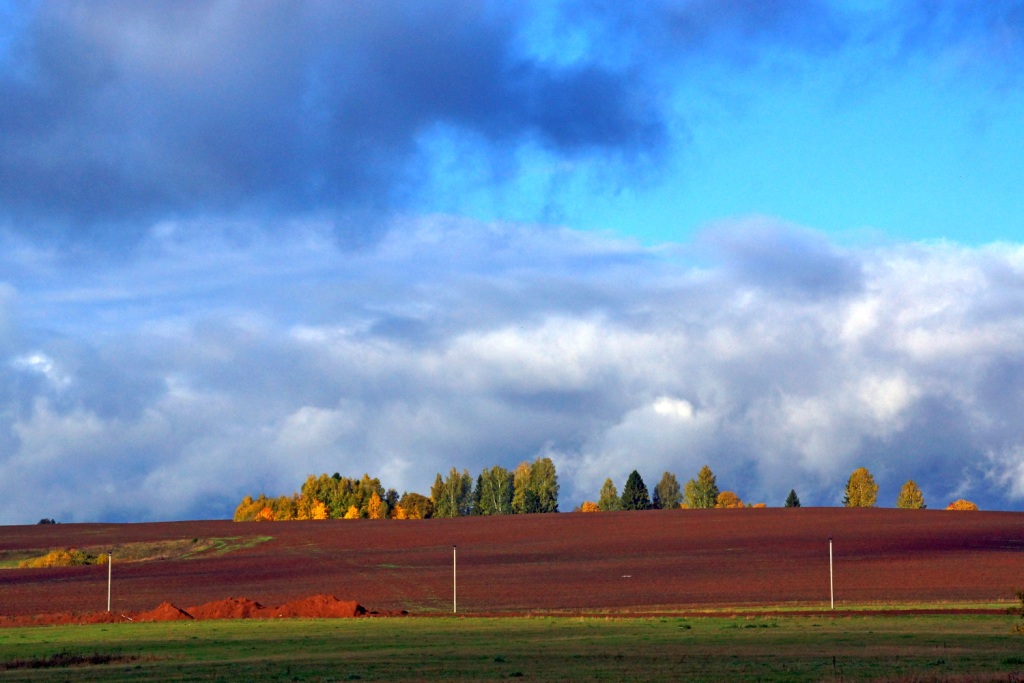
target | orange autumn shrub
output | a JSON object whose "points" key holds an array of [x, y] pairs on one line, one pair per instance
{"points": [[589, 506], [962, 504], [353, 512], [59, 558], [265, 515], [728, 499]]}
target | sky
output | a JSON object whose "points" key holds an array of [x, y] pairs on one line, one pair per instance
{"points": [[243, 242]]}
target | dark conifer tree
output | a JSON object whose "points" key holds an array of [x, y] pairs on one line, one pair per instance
{"points": [[792, 500], [634, 494]]}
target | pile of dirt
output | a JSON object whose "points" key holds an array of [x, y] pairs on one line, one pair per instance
{"points": [[320, 607], [231, 608], [164, 612]]}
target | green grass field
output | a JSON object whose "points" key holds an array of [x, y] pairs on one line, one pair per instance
{"points": [[786, 648]]}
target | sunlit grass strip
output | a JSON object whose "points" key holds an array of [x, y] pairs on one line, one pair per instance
{"points": [[795, 608], [711, 648]]}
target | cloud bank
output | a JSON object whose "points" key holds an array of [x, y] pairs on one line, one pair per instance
{"points": [[776, 356], [119, 115]]}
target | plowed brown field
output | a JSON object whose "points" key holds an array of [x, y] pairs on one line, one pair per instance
{"points": [[625, 561]]}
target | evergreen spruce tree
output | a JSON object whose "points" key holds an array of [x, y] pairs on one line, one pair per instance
{"points": [[792, 500], [478, 494], [634, 493]]}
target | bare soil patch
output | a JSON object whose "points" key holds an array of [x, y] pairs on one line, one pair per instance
{"points": [[313, 607], [620, 562]]}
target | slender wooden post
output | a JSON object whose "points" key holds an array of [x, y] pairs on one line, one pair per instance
{"points": [[110, 575], [455, 585], [831, 583]]}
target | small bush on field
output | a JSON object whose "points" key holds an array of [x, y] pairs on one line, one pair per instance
{"points": [[59, 558]]}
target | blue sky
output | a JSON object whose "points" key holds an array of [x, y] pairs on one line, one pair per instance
{"points": [[241, 244]]}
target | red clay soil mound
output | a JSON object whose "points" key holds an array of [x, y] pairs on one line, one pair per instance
{"points": [[164, 612], [320, 607], [231, 608]]}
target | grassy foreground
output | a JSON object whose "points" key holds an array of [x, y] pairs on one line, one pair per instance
{"points": [[801, 648]]}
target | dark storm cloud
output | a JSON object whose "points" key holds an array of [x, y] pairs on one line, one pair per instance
{"points": [[116, 114]]}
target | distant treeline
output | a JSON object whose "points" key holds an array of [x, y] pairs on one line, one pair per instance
{"points": [[699, 493], [530, 488]]}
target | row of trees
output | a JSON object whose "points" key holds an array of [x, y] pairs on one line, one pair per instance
{"points": [[530, 488], [862, 492], [699, 493], [323, 497], [702, 492]]}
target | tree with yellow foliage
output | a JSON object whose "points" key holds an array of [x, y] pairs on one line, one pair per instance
{"points": [[910, 497], [589, 506], [318, 510], [861, 490], [701, 493], [375, 508], [962, 504], [265, 515], [353, 512]]}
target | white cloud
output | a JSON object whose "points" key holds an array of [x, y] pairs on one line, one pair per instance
{"points": [[42, 364], [412, 358]]}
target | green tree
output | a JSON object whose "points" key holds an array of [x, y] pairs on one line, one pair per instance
{"points": [[544, 483], [701, 493], [535, 487], [453, 495], [634, 493], [792, 500], [861, 490], [609, 499], [667, 495], [391, 500], [496, 490], [416, 506], [910, 497], [363, 492], [477, 494]]}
